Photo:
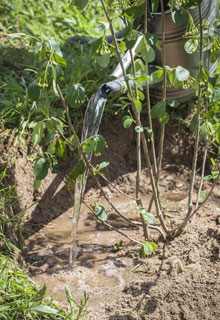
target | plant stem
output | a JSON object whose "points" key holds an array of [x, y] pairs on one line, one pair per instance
{"points": [[196, 144], [144, 142], [178, 230]]}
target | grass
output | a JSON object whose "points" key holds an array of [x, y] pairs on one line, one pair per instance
{"points": [[21, 298]]}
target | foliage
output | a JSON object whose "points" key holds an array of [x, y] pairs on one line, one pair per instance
{"points": [[20, 298], [10, 222]]}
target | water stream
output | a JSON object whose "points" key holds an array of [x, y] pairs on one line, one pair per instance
{"points": [[91, 123]]}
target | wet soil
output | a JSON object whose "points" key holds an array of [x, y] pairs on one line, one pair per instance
{"points": [[181, 280]]}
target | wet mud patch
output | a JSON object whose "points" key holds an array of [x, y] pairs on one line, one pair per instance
{"points": [[180, 281]]}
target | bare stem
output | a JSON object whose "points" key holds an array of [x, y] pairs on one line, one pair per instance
{"points": [[196, 144], [146, 154]]}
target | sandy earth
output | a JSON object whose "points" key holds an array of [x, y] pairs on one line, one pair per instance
{"points": [[180, 281]]}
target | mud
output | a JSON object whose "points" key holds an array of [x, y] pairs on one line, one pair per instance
{"points": [[180, 281]]}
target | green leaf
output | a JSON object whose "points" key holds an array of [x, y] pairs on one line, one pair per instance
{"points": [[163, 118], [40, 169], [177, 18], [133, 12], [58, 124], [60, 60], [103, 165], [38, 132], [77, 170], [157, 76], [99, 143], [54, 47], [147, 249], [217, 134], [152, 38], [181, 73], [76, 95], [42, 309], [100, 212], [81, 4], [147, 52], [34, 91], [103, 60], [158, 109], [154, 5], [191, 46], [127, 122], [138, 105], [60, 148], [148, 216]]}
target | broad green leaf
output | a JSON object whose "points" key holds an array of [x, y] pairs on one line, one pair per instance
{"points": [[40, 169], [181, 73], [61, 148], [100, 212], [138, 105], [103, 60], [103, 165], [127, 122], [99, 143], [157, 76], [60, 60], [42, 309], [81, 4], [177, 18], [133, 12], [76, 95], [148, 216], [53, 46], [154, 5], [38, 132], [34, 91], [216, 96], [147, 249], [152, 38], [191, 46], [158, 109], [147, 52], [77, 170], [217, 134]]}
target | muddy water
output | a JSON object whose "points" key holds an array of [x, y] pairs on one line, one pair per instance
{"points": [[99, 270]]}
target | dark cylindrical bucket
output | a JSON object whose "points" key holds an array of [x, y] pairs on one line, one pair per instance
{"points": [[175, 54]]}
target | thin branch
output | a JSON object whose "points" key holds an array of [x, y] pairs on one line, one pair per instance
{"points": [[196, 144]]}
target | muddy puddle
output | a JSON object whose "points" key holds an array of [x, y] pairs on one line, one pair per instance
{"points": [[100, 269]]}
